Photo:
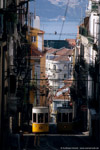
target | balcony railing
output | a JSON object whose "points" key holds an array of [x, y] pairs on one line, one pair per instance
{"points": [[94, 6], [83, 31], [91, 39]]}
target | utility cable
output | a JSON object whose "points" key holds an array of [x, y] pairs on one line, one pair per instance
{"points": [[64, 19]]}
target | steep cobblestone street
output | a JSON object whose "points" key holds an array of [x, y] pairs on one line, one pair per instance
{"points": [[60, 142]]}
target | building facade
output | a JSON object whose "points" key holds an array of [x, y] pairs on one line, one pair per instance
{"points": [[39, 88], [58, 67], [14, 68], [86, 68]]}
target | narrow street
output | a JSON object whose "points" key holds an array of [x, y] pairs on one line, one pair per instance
{"points": [[58, 142], [49, 74]]}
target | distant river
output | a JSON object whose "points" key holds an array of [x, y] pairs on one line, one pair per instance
{"points": [[53, 29]]}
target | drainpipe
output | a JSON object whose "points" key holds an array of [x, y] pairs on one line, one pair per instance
{"points": [[99, 67], [1, 96], [2, 132]]}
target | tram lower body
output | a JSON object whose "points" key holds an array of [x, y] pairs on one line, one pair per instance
{"points": [[65, 127], [40, 121], [40, 128], [59, 128]]}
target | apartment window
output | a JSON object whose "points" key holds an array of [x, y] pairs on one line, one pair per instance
{"points": [[70, 72], [47, 57], [54, 67], [65, 66], [65, 75], [33, 39], [54, 75], [49, 65]]}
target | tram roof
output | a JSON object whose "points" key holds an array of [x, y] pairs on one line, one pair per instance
{"points": [[40, 107], [68, 107]]}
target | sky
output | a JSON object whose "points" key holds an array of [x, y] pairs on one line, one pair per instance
{"points": [[52, 14], [61, 3], [54, 10]]}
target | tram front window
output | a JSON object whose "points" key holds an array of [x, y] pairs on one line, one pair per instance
{"points": [[34, 117], [46, 117], [40, 118], [59, 117], [70, 117], [64, 117]]}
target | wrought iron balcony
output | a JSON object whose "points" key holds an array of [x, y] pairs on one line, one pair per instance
{"points": [[94, 6], [91, 39], [83, 31]]}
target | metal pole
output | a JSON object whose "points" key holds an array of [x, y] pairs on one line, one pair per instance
{"points": [[10, 124], [2, 101]]}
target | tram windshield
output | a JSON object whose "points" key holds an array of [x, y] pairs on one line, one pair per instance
{"points": [[34, 117], [64, 117], [46, 117], [40, 118], [59, 117]]}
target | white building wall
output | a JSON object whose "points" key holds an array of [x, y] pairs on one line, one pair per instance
{"points": [[89, 87], [62, 72], [94, 32], [37, 22], [37, 77], [93, 24], [85, 42], [40, 42]]}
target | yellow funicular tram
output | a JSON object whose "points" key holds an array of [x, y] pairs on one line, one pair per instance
{"points": [[40, 121]]}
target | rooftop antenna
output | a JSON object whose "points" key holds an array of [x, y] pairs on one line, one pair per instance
{"points": [[34, 9]]}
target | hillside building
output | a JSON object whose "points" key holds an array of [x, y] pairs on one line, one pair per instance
{"points": [[58, 66]]}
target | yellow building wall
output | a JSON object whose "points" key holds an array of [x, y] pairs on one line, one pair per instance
{"points": [[43, 83], [36, 32], [33, 32], [32, 95], [32, 92]]}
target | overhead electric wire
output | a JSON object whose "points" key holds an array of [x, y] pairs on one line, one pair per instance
{"points": [[67, 5], [62, 33]]}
